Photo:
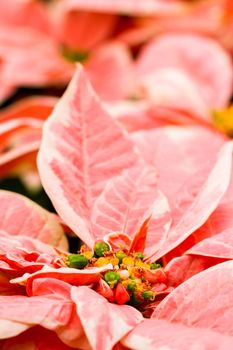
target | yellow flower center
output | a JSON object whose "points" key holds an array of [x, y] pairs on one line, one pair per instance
{"points": [[127, 269]]}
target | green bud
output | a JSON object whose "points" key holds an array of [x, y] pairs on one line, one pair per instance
{"points": [[111, 277], [155, 266], [120, 255], [77, 261], [134, 300], [75, 56], [148, 295], [131, 286], [139, 255], [100, 248]]}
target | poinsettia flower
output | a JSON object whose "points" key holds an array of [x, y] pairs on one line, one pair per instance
{"points": [[219, 140], [150, 194], [99, 183], [95, 195], [110, 188], [93, 274], [205, 182]]}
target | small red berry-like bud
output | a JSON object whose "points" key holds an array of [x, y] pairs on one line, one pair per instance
{"points": [[121, 294], [104, 290]]}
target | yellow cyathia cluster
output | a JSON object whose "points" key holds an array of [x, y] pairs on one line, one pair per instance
{"points": [[128, 269]]}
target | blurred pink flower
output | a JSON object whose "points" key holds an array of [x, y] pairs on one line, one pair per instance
{"points": [[107, 19], [32, 55]]}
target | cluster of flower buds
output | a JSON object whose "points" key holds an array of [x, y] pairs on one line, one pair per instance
{"points": [[129, 273]]}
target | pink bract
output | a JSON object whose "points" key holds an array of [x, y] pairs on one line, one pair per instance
{"points": [[60, 301], [219, 245], [114, 62], [47, 68], [72, 27], [214, 308], [37, 337], [21, 216], [188, 54], [39, 107], [25, 13], [91, 123], [21, 127], [130, 7]]}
